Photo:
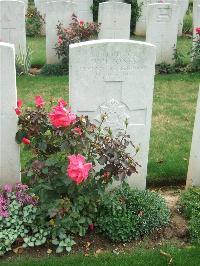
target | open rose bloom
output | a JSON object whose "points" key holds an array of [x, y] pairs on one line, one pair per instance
{"points": [[78, 169], [61, 116]]}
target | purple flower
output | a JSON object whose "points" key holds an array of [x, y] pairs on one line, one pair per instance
{"points": [[22, 187], [3, 206], [8, 188]]}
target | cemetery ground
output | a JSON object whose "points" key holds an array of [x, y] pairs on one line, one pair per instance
{"points": [[174, 105]]}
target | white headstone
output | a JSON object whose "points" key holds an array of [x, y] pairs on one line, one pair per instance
{"points": [[141, 24], [116, 77], [115, 20], [84, 11], [196, 15], [162, 28], [9, 150], [12, 24], [25, 2], [193, 176], [183, 7], [56, 12]]}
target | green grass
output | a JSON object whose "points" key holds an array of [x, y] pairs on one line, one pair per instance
{"points": [[39, 56], [174, 106], [37, 44], [180, 257]]}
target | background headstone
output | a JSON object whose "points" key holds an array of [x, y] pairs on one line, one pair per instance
{"points": [[162, 28], [56, 12], [116, 77], [193, 176], [115, 20], [9, 150], [12, 24], [141, 24], [84, 11], [24, 1]]}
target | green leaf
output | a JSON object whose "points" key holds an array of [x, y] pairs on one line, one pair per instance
{"points": [[19, 136], [59, 250]]}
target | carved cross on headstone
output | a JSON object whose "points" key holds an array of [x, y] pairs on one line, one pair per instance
{"points": [[117, 112]]}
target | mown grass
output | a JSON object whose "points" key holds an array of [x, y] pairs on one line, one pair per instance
{"points": [[174, 106], [38, 47], [178, 257]]}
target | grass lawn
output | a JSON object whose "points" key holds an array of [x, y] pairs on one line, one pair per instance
{"points": [[37, 45], [180, 257], [174, 106]]}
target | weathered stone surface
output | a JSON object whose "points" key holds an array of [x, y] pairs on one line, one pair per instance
{"points": [[116, 77], [9, 150], [84, 11], [141, 24], [12, 24], [162, 28], [56, 12], [193, 176], [115, 20]]}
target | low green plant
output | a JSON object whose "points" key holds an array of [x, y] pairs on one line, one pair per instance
{"points": [[18, 209], [54, 69], [33, 21], [190, 201], [127, 214], [188, 23], [23, 61]]}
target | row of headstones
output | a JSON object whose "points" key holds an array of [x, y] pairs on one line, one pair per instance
{"points": [[115, 17], [161, 22], [105, 72]]}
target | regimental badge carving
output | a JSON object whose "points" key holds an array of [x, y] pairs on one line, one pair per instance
{"points": [[116, 114]]}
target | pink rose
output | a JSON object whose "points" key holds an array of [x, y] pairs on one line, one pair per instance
{"points": [[61, 116], [78, 131], [17, 111], [26, 141], [19, 103], [62, 102], [77, 169], [81, 22], [60, 40], [39, 102], [198, 30]]}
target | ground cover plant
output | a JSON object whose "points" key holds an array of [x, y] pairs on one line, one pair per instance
{"points": [[190, 201], [127, 214]]}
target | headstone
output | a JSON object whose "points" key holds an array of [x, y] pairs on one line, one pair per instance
{"points": [[162, 28], [115, 20], [25, 2], [193, 176], [116, 77], [141, 24], [84, 11], [12, 24], [196, 15], [56, 12], [183, 6], [9, 150]]}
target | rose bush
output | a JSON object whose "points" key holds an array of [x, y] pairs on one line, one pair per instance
{"points": [[73, 162], [78, 31]]}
